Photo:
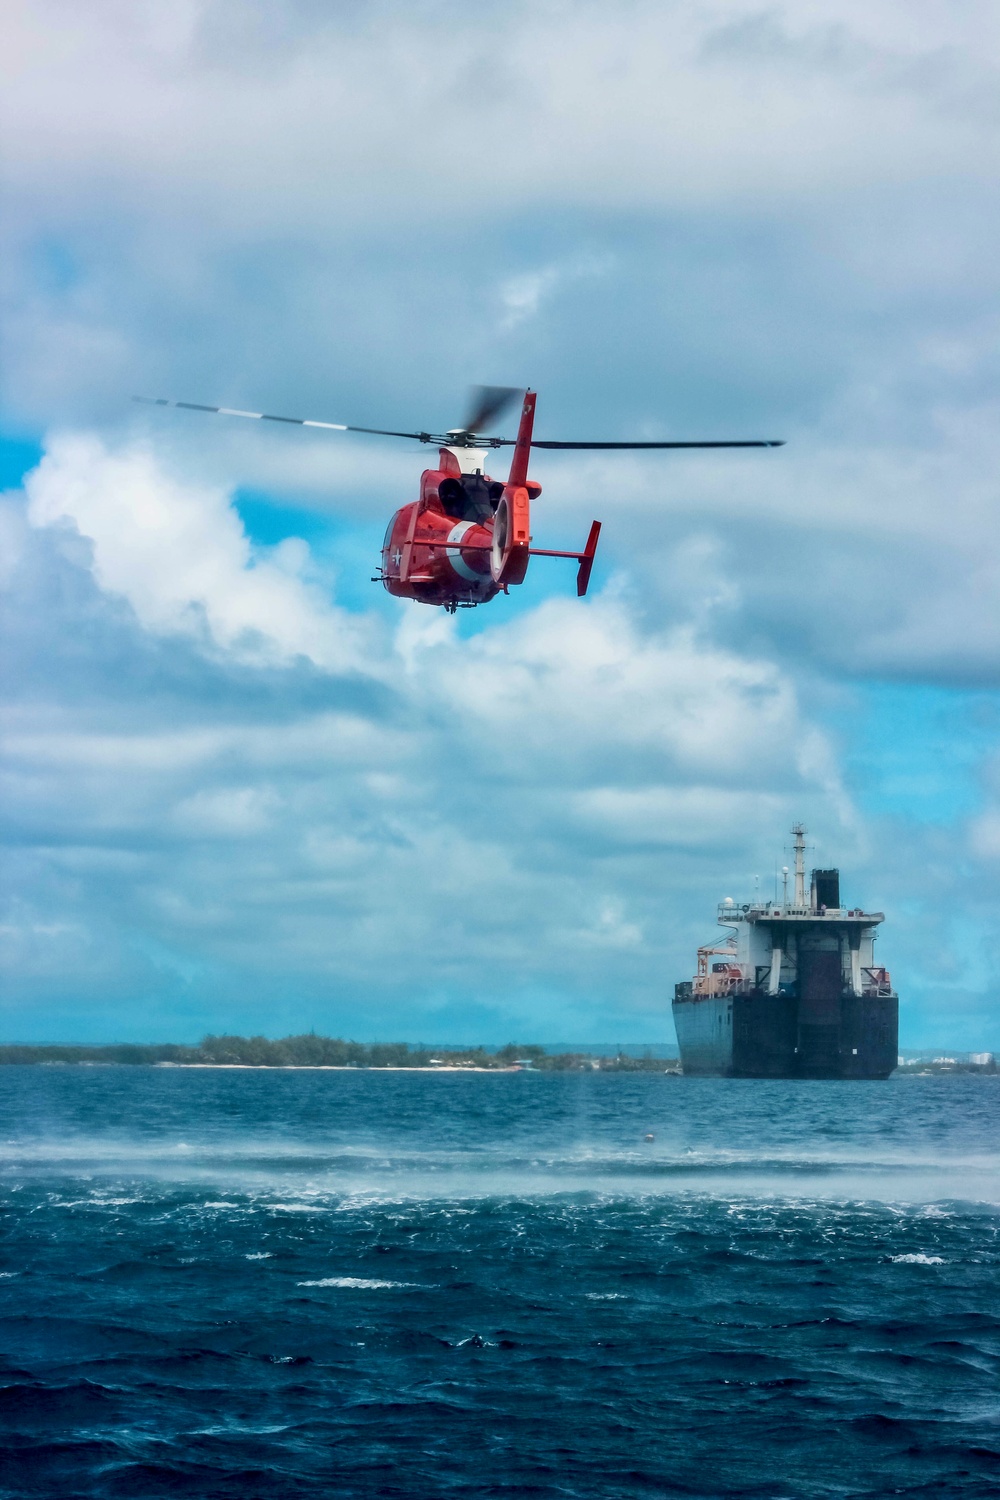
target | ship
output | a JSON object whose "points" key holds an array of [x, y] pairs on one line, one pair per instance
{"points": [[793, 991]]}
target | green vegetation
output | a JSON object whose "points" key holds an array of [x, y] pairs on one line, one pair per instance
{"points": [[125, 1052], [311, 1051]]}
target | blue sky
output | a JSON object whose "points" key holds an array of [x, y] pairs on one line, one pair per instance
{"points": [[243, 788]]}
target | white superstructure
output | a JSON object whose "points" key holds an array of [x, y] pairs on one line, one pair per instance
{"points": [[767, 937]]}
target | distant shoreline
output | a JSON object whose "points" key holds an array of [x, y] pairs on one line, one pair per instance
{"points": [[661, 1066], [333, 1054], [309, 1052]]}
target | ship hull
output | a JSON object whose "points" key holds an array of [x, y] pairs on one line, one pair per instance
{"points": [[758, 1035]]}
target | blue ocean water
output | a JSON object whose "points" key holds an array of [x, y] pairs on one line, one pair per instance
{"points": [[296, 1283]]}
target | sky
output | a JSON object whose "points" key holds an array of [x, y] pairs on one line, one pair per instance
{"points": [[242, 788]]}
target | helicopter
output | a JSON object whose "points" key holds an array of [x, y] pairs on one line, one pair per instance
{"points": [[467, 537]]}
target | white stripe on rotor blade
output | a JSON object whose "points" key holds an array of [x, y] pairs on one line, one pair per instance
{"points": [[230, 411], [458, 562], [334, 426]]}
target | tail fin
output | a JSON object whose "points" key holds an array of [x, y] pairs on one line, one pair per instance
{"points": [[522, 448], [512, 524], [587, 560]]}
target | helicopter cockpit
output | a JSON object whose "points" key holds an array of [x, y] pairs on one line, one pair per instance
{"points": [[470, 497]]}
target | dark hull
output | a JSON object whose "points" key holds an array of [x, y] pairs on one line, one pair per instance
{"points": [[757, 1035]]}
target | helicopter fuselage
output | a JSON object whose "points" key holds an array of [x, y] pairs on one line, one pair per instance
{"points": [[438, 550], [464, 540]]}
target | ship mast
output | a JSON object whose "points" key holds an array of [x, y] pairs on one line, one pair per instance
{"points": [[800, 864]]}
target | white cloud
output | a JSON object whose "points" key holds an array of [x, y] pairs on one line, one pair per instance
{"points": [[686, 220], [649, 104], [696, 818], [579, 683], [521, 832], [491, 828], [236, 812], [871, 558], [985, 836], [178, 553], [523, 296]]}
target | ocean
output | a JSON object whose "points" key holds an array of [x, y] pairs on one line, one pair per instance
{"points": [[249, 1283]]}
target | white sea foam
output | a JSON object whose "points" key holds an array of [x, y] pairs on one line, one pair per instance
{"points": [[259, 1255], [8, 1275], [917, 1260], [334, 1173], [359, 1283]]}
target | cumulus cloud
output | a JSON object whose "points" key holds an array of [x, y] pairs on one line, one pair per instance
{"points": [[490, 825], [179, 554], [776, 222], [877, 562], [461, 832]]}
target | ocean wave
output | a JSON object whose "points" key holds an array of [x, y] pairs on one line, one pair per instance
{"points": [[358, 1283], [296, 1208], [792, 1290]]}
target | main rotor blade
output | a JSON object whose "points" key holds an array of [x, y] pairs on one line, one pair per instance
{"points": [[462, 437], [267, 416], [603, 447], [486, 404]]}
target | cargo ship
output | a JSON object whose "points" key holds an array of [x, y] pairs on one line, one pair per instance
{"points": [[793, 991]]}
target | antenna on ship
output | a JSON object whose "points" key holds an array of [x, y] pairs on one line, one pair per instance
{"points": [[784, 887], [799, 834]]}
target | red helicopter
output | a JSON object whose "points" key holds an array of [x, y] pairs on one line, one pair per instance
{"points": [[468, 537]]}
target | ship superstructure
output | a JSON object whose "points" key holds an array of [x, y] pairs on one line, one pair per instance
{"points": [[793, 991]]}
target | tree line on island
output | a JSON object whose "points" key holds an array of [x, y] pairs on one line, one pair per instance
{"points": [[312, 1051]]}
